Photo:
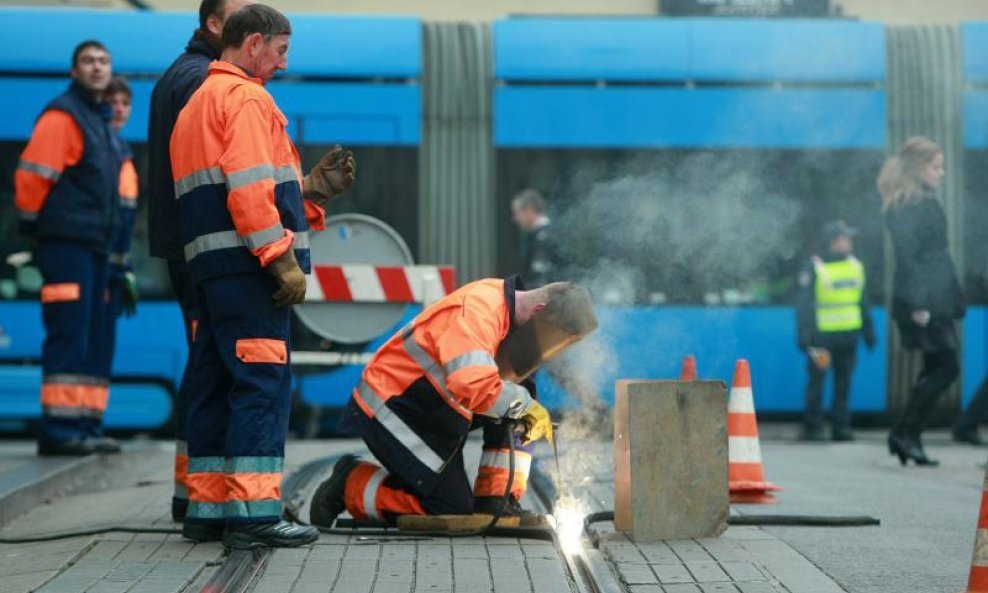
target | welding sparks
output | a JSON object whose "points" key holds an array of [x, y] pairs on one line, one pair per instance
{"points": [[569, 514]]}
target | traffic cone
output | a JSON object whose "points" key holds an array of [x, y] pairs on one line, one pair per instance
{"points": [[745, 475], [689, 369], [977, 582]]}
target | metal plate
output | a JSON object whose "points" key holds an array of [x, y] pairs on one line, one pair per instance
{"points": [[354, 239]]}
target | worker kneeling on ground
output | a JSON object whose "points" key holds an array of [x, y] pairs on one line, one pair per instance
{"points": [[440, 377]]}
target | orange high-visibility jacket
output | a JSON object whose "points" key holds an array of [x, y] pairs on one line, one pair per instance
{"points": [[238, 178], [422, 388]]}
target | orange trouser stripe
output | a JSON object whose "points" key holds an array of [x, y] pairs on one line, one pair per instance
{"points": [[207, 487], [254, 486], [492, 481], [64, 395], [60, 293], [181, 470], [356, 495]]}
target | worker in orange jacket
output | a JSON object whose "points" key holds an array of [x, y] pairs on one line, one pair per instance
{"points": [[66, 194], [422, 393], [244, 226]]}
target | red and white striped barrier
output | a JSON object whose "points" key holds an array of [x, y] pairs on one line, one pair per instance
{"points": [[365, 283]]}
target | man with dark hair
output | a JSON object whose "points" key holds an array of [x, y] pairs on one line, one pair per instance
{"points": [[245, 215], [66, 194], [170, 95], [540, 263]]}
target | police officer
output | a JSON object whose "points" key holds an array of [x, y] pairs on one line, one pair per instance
{"points": [[425, 389], [244, 226], [66, 194], [831, 316], [170, 94]]}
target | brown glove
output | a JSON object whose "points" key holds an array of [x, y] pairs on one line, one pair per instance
{"points": [[290, 279], [332, 175]]}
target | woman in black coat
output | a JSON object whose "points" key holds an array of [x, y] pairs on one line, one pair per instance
{"points": [[926, 296]]}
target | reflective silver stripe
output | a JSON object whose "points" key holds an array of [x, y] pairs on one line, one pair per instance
{"points": [[28, 215], [370, 493], [119, 259], [263, 237], [180, 491], [422, 358], [230, 239], [71, 412], [397, 427], [469, 359], [74, 379], [181, 448], [513, 401], [39, 169], [500, 459], [128, 201], [409, 439], [244, 177], [285, 173], [211, 176]]}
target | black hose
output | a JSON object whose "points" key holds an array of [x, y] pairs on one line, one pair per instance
{"points": [[767, 520], [30, 539]]}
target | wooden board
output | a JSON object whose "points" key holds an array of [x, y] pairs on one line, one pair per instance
{"points": [[670, 459], [452, 523]]}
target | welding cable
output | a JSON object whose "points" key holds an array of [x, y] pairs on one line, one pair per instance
{"points": [[767, 520], [49, 537]]}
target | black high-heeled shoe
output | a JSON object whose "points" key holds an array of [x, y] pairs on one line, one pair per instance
{"points": [[908, 447]]}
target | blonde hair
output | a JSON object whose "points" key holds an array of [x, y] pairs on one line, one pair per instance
{"points": [[900, 180]]}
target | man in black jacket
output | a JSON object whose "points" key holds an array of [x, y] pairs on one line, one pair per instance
{"points": [[170, 95], [831, 314], [540, 261]]}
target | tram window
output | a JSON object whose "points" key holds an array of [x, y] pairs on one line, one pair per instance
{"points": [[976, 227], [694, 227]]}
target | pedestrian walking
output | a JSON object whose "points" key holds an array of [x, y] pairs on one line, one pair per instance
{"points": [[926, 295]]}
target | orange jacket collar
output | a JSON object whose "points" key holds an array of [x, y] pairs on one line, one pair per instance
{"points": [[231, 68]]}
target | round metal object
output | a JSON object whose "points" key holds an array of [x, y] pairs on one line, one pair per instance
{"points": [[354, 239]]}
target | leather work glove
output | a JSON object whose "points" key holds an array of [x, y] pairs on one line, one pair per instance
{"points": [[538, 424], [128, 295], [290, 279], [332, 175]]}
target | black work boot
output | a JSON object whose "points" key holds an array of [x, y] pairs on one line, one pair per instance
{"points": [[968, 435], [489, 505], [73, 448], [202, 532], [812, 433], [841, 434], [327, 502], [105, 444], [247, 536]]}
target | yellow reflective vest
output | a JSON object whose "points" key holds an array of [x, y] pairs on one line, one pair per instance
{"points": [[839, 288]]}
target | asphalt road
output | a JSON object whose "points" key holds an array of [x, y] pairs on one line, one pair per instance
{"points": [[929, 515]]}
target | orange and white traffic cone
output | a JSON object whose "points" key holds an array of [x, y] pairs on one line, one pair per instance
{"points": [[745, 475], [977, 582], [689, 369]]}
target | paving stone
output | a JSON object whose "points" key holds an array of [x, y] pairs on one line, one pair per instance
{"points": [[658, 553], [724, 550], [763, 587], [707, 572], [689, 551], [681, 589], [672, 573], [107, 549], [718, 588], [205, 552], [637, 574], [364, 552], [743, 571], [472, 575], [401, 551], [129, 571], [645, 589]]}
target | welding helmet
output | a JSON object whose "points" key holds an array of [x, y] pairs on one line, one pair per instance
{"points": [[565, 319]]}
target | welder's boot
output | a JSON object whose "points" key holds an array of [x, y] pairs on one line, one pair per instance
{"points": [[489, 505], [327, 502], [283, 534]]}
